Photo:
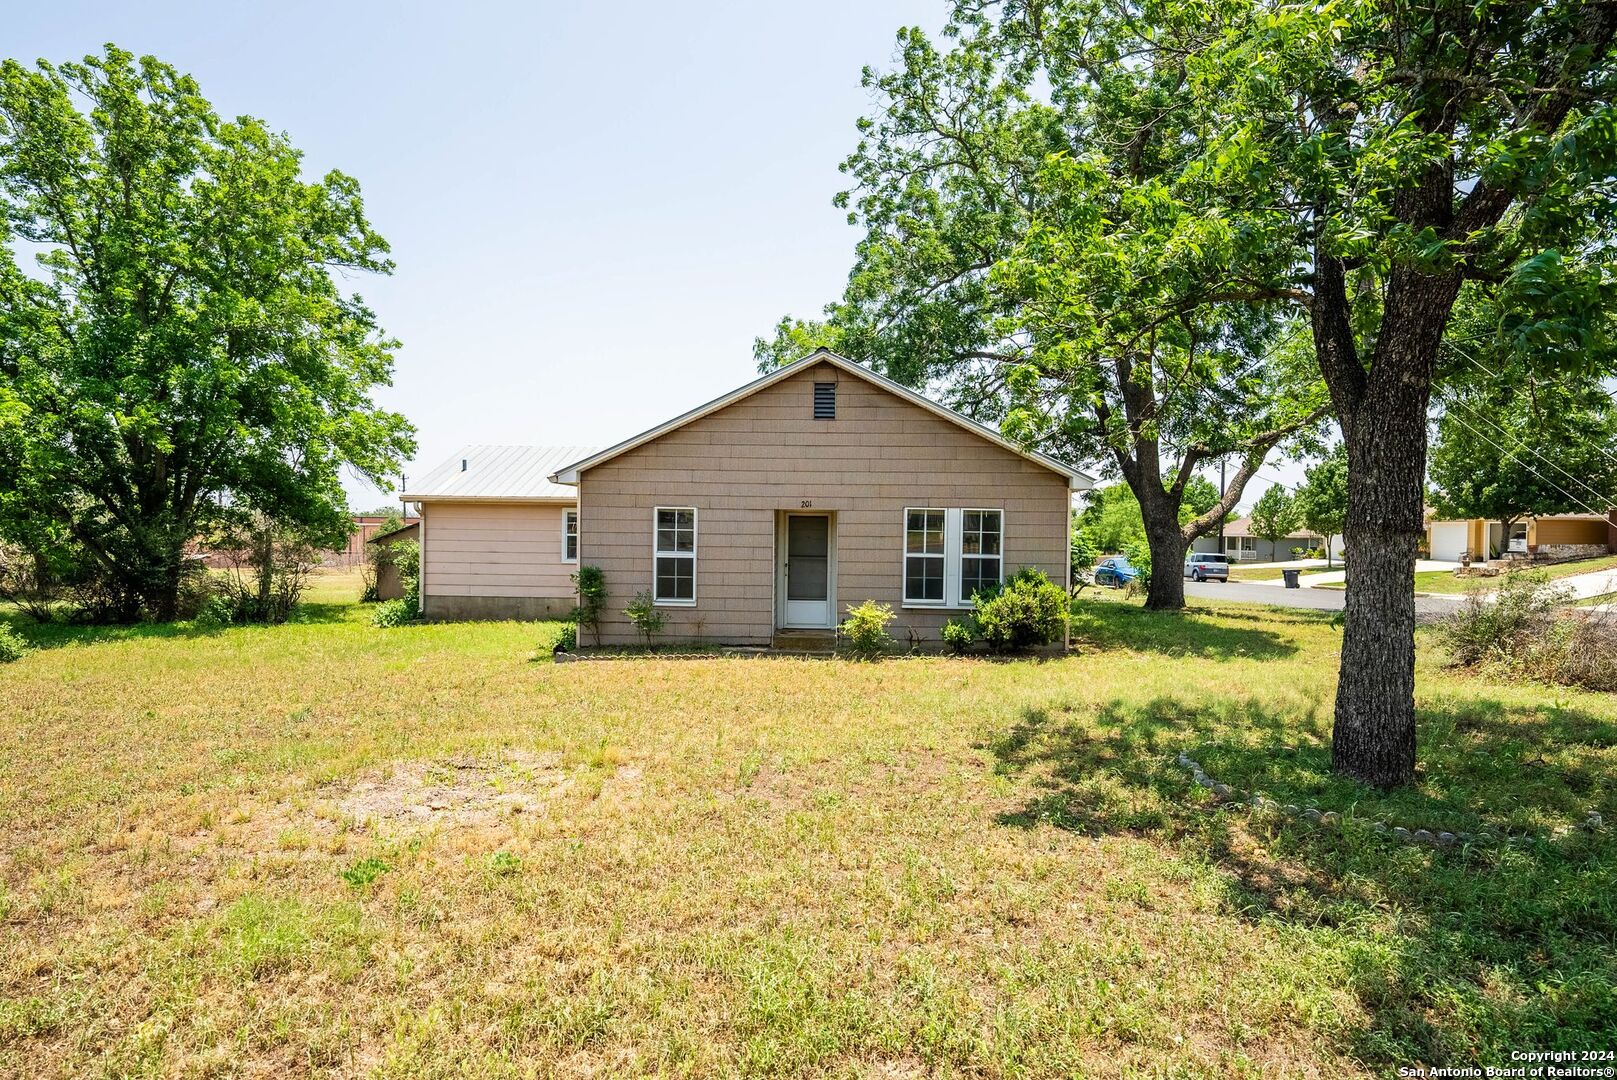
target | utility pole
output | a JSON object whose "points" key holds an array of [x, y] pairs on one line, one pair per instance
{"points": [[1221, 490]]}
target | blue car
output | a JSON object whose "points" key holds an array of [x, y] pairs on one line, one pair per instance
{"points": [[1115, 572]]}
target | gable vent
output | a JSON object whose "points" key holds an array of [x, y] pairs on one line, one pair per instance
{"points": [[825, 401]]}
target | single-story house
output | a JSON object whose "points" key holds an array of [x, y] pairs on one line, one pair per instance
{"points": [[1558, 536], [1241, 545], [775, 507]]}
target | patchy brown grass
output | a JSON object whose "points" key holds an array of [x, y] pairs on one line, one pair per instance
{"points": [[327, 849]]}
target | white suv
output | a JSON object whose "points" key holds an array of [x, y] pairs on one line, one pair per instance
{"points": [[1203, 566]]}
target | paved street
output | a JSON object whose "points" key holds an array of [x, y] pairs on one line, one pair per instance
{"points": [[1428, 607]]}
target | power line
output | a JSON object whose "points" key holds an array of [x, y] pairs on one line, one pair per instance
{"points": [[1599, 496], [1499, 377], [1510, 454]]}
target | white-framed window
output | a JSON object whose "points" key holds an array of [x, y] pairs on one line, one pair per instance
{"points": [[949, 554], [982, 533], [569, 536], [925, 556], [674, 555]]}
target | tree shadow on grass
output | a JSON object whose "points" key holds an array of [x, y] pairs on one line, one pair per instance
{"points": [[1193, 632], [1456, 955]]}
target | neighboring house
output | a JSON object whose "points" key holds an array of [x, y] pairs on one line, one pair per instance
{"points": [[775, 507], [389, 585], [1557, 536], [1242, 546], [499, 539]]}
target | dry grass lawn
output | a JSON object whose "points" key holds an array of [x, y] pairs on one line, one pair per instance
{"points": [[328, 849]]}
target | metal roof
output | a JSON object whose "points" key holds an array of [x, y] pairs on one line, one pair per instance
{"points": [[567, 472], [503, 473]]}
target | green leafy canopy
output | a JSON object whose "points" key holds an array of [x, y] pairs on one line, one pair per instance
{"points": [[183, 354]]}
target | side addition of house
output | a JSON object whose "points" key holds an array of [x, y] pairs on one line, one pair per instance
{"points": [[499, 539]]}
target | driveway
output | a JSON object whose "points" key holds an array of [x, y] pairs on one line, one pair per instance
{"points": [[1426, 607]]}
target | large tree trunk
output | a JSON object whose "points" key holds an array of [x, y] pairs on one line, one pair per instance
{"points": [[1374, 736], [1385, 431], [1167, 542]]}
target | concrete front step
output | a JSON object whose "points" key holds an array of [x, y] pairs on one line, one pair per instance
{"points": [[807, 641]]}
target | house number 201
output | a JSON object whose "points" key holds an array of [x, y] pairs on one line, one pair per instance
{"points": [[806, 503]]}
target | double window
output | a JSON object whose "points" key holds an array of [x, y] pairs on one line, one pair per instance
{"points": [[951, 554], [569, 536], [674, 555]]}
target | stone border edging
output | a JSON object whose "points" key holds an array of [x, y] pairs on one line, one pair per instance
{"points": [[1489, 834]]}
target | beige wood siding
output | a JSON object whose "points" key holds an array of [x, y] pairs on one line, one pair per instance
{"points": [[744, 464], [493, 550]]}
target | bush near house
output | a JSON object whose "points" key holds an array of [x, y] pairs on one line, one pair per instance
{"points": [[1028, 612], [646, 616], [865, 630], [959, 634], [406, 555]]}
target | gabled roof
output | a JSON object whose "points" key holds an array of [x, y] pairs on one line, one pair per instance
{"points": [[499, 473], [569, 474]]}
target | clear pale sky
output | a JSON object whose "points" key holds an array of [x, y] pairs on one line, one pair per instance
{"points": [[594, 208]]}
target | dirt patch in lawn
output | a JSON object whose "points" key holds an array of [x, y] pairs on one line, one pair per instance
{"points": [[468, 792], [460, 791]]}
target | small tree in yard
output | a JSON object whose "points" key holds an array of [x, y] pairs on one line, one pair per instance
{"points": [[28, 581], [270, 567], [1322, 500], [591, 584], [1275, 516]]}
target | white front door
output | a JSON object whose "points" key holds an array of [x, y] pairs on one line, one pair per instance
{"points": [[808, 570]]}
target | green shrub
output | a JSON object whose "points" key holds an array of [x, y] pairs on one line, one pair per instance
{"points": [[865, 630], [1526, 630], [647, 617], [1510, 625], [216, 612], [1084, 554], [591, 584], [1139, 555], [12, 646], [958, 634], [396, 612], [568, 641], [1028, 612], [270, 563]]}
